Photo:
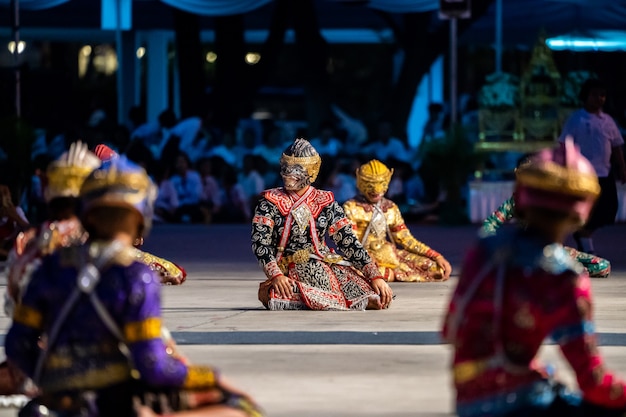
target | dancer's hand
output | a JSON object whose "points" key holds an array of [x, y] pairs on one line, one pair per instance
{"points": [[385, 292], [283, 285], [445, 265]]}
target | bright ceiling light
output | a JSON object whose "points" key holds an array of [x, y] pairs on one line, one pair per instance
{"points": [[211, 57], [21, 45], [253, 58], [592, 41]]}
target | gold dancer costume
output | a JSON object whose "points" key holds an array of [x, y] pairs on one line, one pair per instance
{"points": [[380, 227]]}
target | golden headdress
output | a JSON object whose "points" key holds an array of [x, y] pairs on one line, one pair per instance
{"points": [[302, 153], [560, 179], [67, 173], [373, 177]]}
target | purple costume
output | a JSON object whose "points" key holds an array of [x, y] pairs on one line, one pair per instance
{"points": [[86, 355]]}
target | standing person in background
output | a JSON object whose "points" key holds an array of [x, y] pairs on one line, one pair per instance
{"points": [[600, 141], [381, 229], [519, 287]]}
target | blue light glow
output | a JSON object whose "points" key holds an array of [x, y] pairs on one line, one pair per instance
{"points": [[601, 40]]}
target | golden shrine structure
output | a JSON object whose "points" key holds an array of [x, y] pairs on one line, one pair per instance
{"points": [[522, 114]]}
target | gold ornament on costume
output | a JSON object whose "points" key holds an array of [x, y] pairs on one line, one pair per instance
{"points": [[373, 177], [67, 174], [311, 164]]}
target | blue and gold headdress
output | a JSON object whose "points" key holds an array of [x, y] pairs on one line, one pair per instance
{"points": [[120, 183]]}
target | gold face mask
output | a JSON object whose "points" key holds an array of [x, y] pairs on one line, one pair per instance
{"points": [[373, 178], [309, 164]]}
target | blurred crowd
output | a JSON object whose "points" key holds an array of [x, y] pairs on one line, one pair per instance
{"points": [[207, 174]]}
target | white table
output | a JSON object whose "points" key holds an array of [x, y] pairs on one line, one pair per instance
{"points": [[486, 196]]}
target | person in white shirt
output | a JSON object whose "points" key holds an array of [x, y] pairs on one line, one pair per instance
{"points": [[600, 141], [188, 185]]}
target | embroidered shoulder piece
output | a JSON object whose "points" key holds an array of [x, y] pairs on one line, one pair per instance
{"points": [[557, 260], [316, 201], [280, 199]]}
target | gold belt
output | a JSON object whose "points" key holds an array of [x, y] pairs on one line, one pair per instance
{"points": [[466, 371], [469, 370], [303, 255]]}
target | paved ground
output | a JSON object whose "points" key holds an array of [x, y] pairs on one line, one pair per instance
{"points": [[337, 364]]}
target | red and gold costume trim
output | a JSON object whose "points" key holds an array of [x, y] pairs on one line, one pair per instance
{"points": [[263, 220], [340, 224], [316, 201]]}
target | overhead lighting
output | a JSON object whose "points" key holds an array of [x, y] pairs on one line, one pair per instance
{"points": [[21, 45], [253, 58], [85, 50], [593, 41], [211, 57], [141, 51]]}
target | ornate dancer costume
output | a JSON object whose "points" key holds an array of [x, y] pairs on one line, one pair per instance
{"points": [[288, 238], [518, 287], [99, 312], [170, 273], [381, 229], [596, 266]]}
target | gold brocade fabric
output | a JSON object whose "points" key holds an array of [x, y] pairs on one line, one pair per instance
{"points": [[400, 256], [168, 271]]}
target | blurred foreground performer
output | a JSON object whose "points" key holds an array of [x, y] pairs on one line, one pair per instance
{"points": [[596, 267], [380, 227], [289, 232], [64, 176], [520, 286], [88, 329], [170, 273]]}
